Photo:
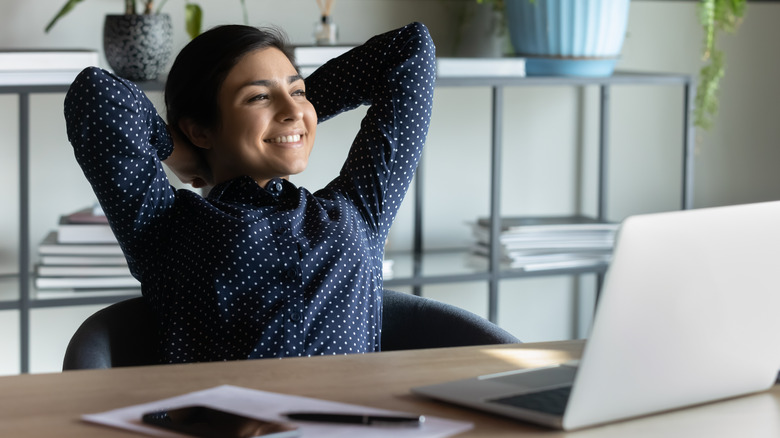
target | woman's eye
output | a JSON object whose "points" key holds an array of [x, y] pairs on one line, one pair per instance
{"points": [[258, 97], [299, 93]]}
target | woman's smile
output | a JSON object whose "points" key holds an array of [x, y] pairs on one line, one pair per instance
{"points": [[292, 140]]}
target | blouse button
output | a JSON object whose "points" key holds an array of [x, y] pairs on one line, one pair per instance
{"points": [[278, 186], [295, 317]]}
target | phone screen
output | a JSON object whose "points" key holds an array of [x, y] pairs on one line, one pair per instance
{"points": [[206, 422]]}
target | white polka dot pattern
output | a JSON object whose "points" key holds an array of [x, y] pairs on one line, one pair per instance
{"points": [[271, 271]]}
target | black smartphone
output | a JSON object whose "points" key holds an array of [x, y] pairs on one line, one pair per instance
{"points": [[207, 422]]}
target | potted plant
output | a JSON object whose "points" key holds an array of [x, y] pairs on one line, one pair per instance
{"points": [[138, 45], [566, 37], [716, 16]]}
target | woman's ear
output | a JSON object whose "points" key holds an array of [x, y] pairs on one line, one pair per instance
{"points": [[196, 134]]}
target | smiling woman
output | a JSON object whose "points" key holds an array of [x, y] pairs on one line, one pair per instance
{"points": [[259, 268], [267, 126], [237, 62]]}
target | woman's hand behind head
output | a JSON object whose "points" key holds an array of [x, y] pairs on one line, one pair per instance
{"points": [[187, 162]]}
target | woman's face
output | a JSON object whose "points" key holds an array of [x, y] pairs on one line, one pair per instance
{"points": [[267, 125]]}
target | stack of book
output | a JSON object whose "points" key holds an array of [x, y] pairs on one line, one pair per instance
{"points": [[309, 58], [387, 269], [480, 67], [82, 258], [549, 242], [46, 66]]}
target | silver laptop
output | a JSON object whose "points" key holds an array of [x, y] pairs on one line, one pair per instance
{"points": [[687, 315]]}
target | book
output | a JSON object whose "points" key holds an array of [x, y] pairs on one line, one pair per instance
{"points": [[86, 282], [74, 260], [307, 56], [88, 225], [82, 271], [483, 234], [52, 60], [88, 215], [64, 77], [68, 232], [480, 67], [50, 294], [51, 246], [535, 224], [545, 242], [387, 269], [553, 243], [44, 66], [550, 261], [525, 253]]}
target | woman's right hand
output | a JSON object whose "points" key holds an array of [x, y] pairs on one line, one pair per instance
{"points": [[188, 163]]}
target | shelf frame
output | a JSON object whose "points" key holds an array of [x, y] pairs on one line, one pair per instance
{"points": [[24, 303], [495, 274], [418, 279]]}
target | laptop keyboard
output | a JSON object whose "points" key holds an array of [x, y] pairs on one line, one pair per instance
{"points": [[550, 401]]}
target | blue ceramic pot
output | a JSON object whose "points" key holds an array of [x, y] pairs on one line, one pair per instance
{"points": [[568, 37]]}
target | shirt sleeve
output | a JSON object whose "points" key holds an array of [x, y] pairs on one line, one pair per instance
{"points": [[119, 140], [394, 73]]}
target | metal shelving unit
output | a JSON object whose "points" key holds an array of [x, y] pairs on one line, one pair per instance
{"points": [[493, 275], [25, 303]]}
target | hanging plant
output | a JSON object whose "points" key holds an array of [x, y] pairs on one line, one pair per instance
{"points": [[716, 16]]}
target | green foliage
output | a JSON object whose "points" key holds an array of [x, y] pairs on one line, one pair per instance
{"points": [[246, 13], [716, 16], [64, 11], [193, 17], [498, 5], [192, 12]]}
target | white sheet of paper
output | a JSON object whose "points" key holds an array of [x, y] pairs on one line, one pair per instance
{"points": [[272, 406]]}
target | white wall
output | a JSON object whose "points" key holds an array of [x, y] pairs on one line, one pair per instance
{"points": [[735, 162]]}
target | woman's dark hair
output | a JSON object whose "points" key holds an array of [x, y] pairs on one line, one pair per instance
{"points": [[202, 65]]}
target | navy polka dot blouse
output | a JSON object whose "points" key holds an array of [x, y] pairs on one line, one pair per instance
{"points": [[274, 271]]}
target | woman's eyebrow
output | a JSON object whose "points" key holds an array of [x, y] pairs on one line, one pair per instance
{"points": [[271, 82]]}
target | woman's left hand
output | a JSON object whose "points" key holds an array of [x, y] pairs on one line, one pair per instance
{"points": [[188, 163]]}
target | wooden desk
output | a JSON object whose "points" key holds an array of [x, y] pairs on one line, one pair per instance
{"points": [[51, 404]]}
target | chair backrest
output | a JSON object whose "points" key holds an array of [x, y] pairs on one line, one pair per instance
{"points": [[411, 322], [124, 333]]}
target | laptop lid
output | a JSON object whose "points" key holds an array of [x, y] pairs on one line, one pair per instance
{"points": [[686, 316]]}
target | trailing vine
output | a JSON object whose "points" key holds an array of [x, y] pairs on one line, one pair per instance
{"points": [[716, 16]]}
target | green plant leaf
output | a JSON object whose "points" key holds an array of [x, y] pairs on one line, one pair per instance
{"points": [[64, 11], [715, 16], [245, 12], [707, 91], [193, 16]]}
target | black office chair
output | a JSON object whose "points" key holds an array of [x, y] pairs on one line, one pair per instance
{"points": [[124, 333]]}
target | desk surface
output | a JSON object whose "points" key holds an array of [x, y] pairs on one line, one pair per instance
{"points": [[50, 404]]}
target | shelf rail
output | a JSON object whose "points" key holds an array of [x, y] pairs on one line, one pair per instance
{"points": [[417, 279]]}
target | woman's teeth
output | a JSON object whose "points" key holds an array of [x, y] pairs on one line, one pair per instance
{"points": [[286, 139]]}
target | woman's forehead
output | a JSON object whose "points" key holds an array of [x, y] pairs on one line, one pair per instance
{"points": [[266, 64]]}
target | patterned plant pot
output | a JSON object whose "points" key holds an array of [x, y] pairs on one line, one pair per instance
{"points": [[568, 37], [138, 47]]}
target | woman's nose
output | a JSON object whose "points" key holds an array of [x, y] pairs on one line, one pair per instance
{"points": [[289, 110]]}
